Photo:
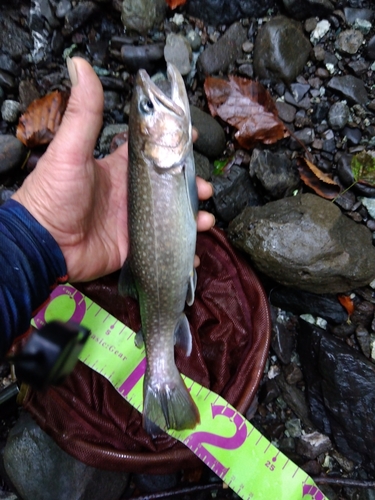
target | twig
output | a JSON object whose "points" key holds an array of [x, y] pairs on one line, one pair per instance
{"points": [[344, 482], [179, 491]]}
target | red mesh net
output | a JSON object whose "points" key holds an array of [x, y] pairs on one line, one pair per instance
{"points": [[230, 324]]}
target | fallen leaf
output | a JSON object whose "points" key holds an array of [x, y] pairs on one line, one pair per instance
{"points": [[246, 105], [363, 167], [175, 3], [41, 120], [347, 303], [318, 181]]}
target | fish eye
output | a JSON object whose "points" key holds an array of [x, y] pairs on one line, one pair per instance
{"points": [[146, 106]]}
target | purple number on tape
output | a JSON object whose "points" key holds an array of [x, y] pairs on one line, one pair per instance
{"points": [[197, 439]]}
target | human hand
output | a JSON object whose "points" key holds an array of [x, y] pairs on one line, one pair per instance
{"points": [[82, 201]]}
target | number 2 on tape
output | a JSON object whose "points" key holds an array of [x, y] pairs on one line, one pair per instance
{"points": [[224, 440]]}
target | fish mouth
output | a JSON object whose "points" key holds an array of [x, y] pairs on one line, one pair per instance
{"points": [[176, 103]]}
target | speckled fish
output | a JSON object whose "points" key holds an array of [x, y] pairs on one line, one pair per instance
{"points": [[162, 210]]}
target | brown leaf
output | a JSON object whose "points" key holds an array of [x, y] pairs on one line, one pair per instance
{"points": [[41, 120], [318, 181], [246, 105], [175, 3]]}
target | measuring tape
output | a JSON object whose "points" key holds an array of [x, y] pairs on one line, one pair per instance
{"points": [[224, 440]]}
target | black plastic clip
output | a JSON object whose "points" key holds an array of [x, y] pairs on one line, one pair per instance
{"points": [[50, 354]]}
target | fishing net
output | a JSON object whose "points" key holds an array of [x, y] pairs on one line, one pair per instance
{"points": [[230, 325]]}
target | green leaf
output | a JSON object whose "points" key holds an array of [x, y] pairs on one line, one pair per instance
{"points": [[219, 166], [363, 167]]}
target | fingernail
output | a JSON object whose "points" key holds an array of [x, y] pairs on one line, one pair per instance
{"points": [[213, 221], [72, 70]]}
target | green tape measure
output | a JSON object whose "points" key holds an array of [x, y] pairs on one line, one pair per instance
{"points": [[224, 440]]}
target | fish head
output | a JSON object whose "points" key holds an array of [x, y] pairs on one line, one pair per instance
{"points": [[163, 125]]}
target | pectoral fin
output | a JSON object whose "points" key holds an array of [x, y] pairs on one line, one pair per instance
{"points": [[126, 284], [191, 185], [182, 335], [138, 340], [191, 288]]}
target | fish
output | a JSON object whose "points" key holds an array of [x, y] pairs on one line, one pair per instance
{"points": [[162, 225]]}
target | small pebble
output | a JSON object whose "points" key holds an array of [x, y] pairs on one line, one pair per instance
{"points": [[10, 111]]}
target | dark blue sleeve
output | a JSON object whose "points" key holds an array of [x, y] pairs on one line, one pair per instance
{"points": [[31, 266]]}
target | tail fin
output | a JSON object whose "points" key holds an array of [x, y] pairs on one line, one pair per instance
{"points": [[168, 404]]}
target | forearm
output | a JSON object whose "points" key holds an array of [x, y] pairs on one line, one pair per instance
{"points": [[32, 264]]}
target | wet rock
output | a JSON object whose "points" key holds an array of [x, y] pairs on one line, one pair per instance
{"points": [[338, 115], [286, 111], [38, 468], [314, 444], [142, 56], [62, 8], [281, 50], [350, 87], [142, 15], [293, 427], [349, 41], [340, 382], [227, 11], [211, 136], [274, 172], [353, 135], [282, 338], [6, 80], [306, 242], [10, 111], [27, 94], [351, 15], [320, 112], [42, 17], [9, 66], [371, 48], [218, 57], [299, 90], [246, 70], [152, 483], [108, 134], [319, 31], [78, 16], [301, 302], [194, 39], [12, 153], [269, 391], [112, 100], [233, 192], [369, 203], [302, 9], [364, 340], [178, 51], [305, 136], [363, 314], [202, 166], [295, 399], [13, 40]]}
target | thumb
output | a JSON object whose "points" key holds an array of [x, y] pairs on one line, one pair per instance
{"points": [[83, 117]]}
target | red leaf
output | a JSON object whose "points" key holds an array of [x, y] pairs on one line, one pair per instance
{"points": [[318, 181], [246, 105], [40, 122], [347, 303], [175, 3]]}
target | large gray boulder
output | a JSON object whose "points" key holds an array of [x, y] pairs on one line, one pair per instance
{"points": [[307, 243], [40, 470]]}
